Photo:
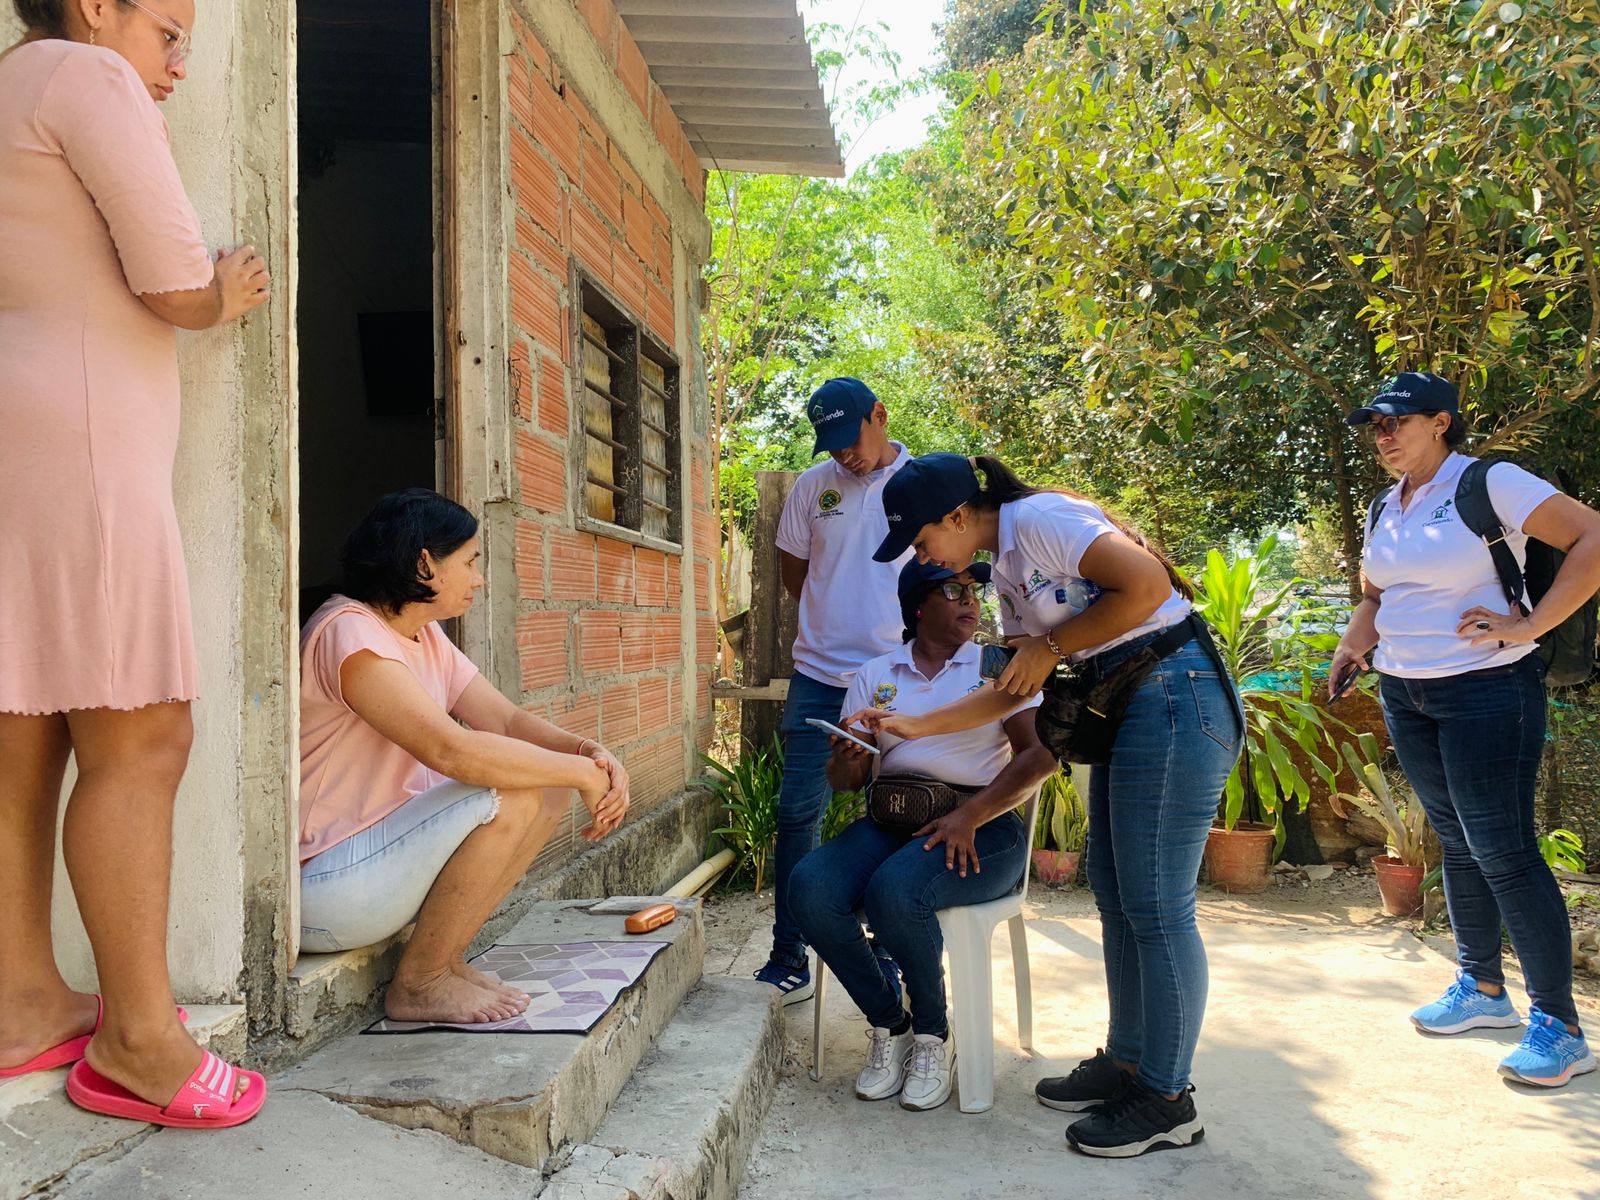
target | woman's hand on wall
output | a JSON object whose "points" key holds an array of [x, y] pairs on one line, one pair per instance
{"points": [[241, 282]]}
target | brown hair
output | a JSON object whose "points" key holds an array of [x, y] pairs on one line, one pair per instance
{"points": [[1001, 486], [46, 17]]}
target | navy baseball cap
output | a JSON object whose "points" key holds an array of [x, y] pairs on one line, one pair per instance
{"points": [[916, 578], [923, 491], [1407, 393], [836, 410]]}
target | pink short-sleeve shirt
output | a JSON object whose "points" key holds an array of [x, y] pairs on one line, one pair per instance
{"points": [[351, 776]]}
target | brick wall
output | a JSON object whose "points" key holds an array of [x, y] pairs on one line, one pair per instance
{"points": [[601, 626]]}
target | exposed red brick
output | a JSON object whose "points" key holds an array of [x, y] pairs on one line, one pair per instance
{"points": [[675, 699], [541, 473], [659, 312], [655, 705], [599, 643], [628, 278], [663, 253], [664, 121], [577, 712], [585, 115], [630, 177], [536, 304], [695, 177], [543, 249], [530, 560], [572, 559], [635, 223], [674, 581], [602, 18], [534, 181], [649, 578], [669, 639], [521, 379], [699, 484], [524, 38], [615, 584], [705, 640], [555, 127], [518, 96], [601, 183], [619, 714], [591, 241], [633, 71], [542, 648], [707, 535], [702, 585], [554, 414]]}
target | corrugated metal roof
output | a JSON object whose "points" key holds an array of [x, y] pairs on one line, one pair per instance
{"points": [[739, 75]]}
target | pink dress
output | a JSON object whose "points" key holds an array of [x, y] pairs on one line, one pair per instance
{"points": [[94, 598]]}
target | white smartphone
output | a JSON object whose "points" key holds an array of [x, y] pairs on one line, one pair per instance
{"points": [[829, 727]]}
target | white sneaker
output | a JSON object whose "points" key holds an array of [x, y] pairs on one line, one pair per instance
{"points": [[929, 1075], [885, 1071]]}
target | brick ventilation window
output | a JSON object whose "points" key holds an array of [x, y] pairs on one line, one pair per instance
{"points": [[630, 422]]}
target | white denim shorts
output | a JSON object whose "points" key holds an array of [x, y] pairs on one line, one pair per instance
{"points": [[370, 886]]}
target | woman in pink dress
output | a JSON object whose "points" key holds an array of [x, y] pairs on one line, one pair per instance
{"points": [[100, 257]]}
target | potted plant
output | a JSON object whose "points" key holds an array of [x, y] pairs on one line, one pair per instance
{"points": [[1266, 640], [1060, 831], [1400, 872]]}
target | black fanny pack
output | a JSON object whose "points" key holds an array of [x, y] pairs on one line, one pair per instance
{"points": [[905, 803], [1083, 706]]}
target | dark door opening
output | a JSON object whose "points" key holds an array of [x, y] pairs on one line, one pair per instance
{"points": [[369, 377]]}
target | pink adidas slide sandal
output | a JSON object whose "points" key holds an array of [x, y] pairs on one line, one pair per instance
{"points": [[205, 1102], [69, 1051]]}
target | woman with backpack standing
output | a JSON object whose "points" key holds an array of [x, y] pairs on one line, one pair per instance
{"points": [[1463, 692]]}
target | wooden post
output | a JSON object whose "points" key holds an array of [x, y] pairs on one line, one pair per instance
{"points": [[774, 617]]}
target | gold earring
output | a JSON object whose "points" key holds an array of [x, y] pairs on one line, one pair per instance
{"points": [[93, 33]]}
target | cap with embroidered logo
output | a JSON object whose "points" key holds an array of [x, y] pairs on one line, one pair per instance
{"points": [[923, 491], [1407, 393], [836, 410]]}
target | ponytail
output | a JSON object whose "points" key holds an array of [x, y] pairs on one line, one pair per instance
{"points": [[1001, 485], [42, 18]]}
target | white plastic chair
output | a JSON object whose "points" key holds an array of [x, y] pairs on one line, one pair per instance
{"points": [[968, 930]]}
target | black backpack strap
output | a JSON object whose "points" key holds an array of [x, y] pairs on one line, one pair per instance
{"points": [[1477, 514], [1375, 510]]}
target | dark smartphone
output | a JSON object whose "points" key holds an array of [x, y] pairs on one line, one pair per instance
{"points": [[1344, 685], [994, 661]]}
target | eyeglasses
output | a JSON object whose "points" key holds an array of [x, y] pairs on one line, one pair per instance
{"points": [[1383, 426], [952, 590], [178, 51]]}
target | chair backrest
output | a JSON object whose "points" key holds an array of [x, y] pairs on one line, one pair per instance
{"points": [[1030, 817]]}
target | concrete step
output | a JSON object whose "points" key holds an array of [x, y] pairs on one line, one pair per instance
{"points": [[519, 1097], [300, 1146], [684, 1126], [43, 1135]]}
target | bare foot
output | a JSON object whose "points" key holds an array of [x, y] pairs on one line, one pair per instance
{"points": [[493, 984], [152, 1063], [443, 996], [33, 1022]]}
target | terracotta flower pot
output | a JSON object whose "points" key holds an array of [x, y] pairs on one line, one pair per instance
{"points": [[1400, 885], [1056, 867], [1237, 859]]}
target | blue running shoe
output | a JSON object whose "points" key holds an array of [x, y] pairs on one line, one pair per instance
{"points": [[794, 984], [1464, 1007], [1549, 1056]]}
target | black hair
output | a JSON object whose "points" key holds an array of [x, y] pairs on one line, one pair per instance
{"points": [[47, 18], [1454, 437], [382, 557], [1001, 485]]}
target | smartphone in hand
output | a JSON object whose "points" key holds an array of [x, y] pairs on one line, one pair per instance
{"points": [[1344, 685], [829, 727], [994, 661]]}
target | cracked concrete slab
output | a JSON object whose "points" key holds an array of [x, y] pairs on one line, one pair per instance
{"points": [[301, 1146], [516, 1096]]}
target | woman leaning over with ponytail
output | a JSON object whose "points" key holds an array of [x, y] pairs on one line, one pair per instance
{"points": [[1076, 585]]}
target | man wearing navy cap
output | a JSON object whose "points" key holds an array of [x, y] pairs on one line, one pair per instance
{"points": [[832, 522]]}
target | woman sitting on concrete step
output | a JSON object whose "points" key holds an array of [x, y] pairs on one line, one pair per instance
{"points": [[903, 877], [424, 793]]}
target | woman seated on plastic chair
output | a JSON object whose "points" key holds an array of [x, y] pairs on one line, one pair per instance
{"points": [[903, 877], [424, 793]]}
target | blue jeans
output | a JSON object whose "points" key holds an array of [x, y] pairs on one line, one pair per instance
{"points": [[1150, 811], [371, 885], [902, 887], [1470, 746], [802, 799]]}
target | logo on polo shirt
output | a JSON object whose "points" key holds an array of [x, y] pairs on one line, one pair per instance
{"points": [[883, 695], [829, 500], [1441, 515], [1036, 584]]}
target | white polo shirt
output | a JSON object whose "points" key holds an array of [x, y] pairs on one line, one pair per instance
{"points": [[849, 610], [1431, 568], [1037, 573], [892, 681]]}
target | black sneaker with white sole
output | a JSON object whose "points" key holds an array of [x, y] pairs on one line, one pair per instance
{"points": [[1093, 1081], [1137, 1121]]}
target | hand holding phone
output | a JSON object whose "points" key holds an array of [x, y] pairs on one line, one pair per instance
{"points": [[831, 728], [1344, 685]]}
